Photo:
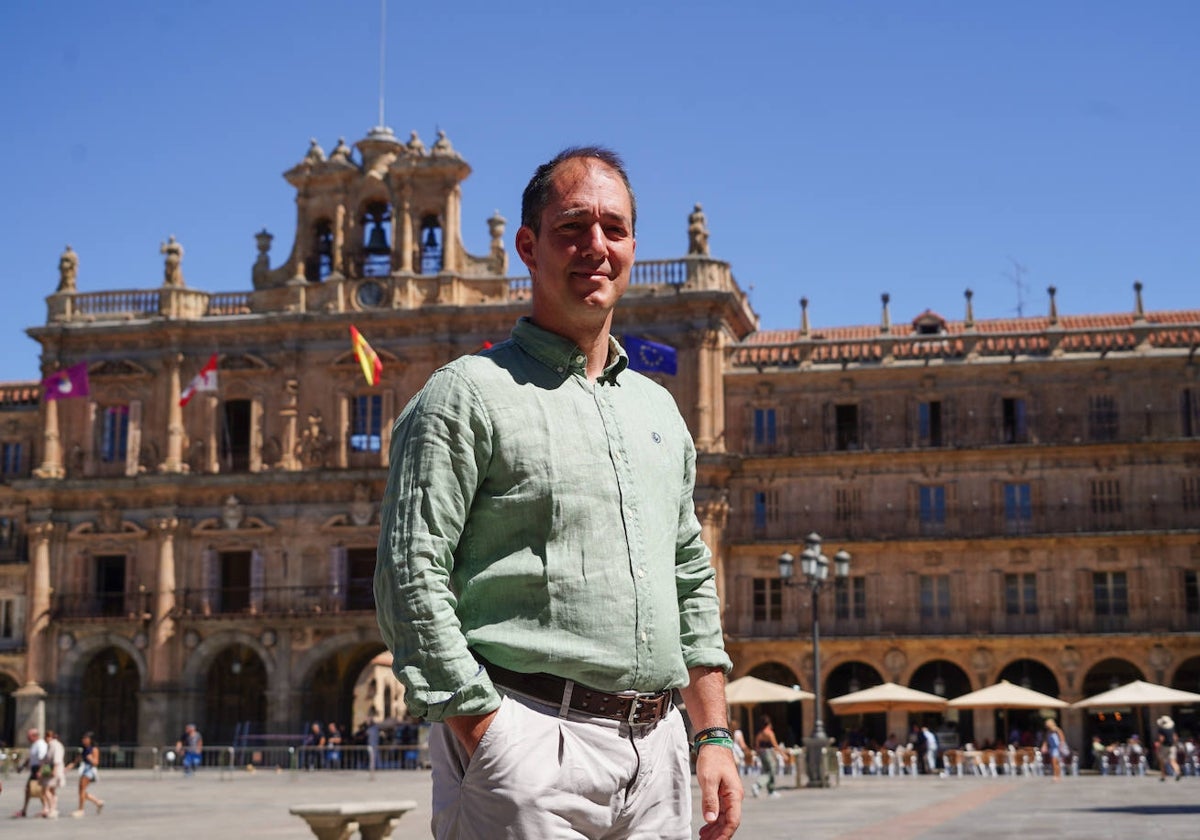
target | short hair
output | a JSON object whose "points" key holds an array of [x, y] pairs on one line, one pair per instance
{"points": [[537, 192]]}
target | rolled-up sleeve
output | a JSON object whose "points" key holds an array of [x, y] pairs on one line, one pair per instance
{"points": [[441, 444], [696, 583]]}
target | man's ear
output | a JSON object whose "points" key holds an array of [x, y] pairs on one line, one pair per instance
{"points": [[524, 242]]}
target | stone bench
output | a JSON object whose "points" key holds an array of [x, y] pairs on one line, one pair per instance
{"points": [[339, 820]]}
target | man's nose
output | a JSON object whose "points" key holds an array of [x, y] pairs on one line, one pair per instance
{"points": [[595, 244]]}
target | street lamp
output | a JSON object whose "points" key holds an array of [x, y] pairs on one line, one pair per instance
{"points": [[815, 569]]}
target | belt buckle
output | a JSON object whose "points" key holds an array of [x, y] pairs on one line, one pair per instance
{"points": [[634, 697], [637, 698]]}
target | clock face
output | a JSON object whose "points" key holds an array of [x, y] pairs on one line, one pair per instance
{"points": [[370, 294]]}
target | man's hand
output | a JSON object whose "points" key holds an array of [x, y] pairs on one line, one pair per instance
{"points": [[720, 792], [469, 729]]}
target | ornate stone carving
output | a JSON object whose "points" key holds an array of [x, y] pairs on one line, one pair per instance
{"points": [[108, 517], [442, 147], [895, 660], [262, 263], [315, 153], [698, 232], [415, 146], [173, 264], [497, 258], [232, 513], [68, 268], [982, 660], [341, 152], [361, 509], [315, 443]]}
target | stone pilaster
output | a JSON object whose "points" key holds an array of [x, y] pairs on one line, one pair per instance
{"points": [[162, 626], [174, 460], [52, 463]]}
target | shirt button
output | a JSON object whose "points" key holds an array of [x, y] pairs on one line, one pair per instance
{"points": [[559, 369], [641, 573], [644, 635], [579, 360]]}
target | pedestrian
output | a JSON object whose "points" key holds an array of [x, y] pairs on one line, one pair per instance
{"points": [[1168, 748], [190, 748], [88, 762], [33, 762], [1053, 747], [929, 743], [313, 746], [52, 774], [542, 582], [769, 752], [333, 746]]}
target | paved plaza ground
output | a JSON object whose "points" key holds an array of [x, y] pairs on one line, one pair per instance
{"points": [[140, 806]]}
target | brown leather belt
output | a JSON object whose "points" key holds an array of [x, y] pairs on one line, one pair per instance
{"points": [[631, 707]]}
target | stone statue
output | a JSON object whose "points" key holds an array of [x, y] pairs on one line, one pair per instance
{"points": [[68, 268], [262, 263], [442, 147], [315, 443], [497, 258], [173, 265], [341, 151], [415, 146], [315, 153], [698, 233]]}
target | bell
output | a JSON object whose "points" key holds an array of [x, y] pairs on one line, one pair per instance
{"points": [[431, 238], [377, 242]]}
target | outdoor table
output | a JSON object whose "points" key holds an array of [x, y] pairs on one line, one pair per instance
{"points": [[339, 820]]}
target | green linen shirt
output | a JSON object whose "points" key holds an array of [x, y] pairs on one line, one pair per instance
{"points": [[545, 523]]}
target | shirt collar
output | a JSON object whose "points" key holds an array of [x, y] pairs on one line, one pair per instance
{"points": [[562, 355]]}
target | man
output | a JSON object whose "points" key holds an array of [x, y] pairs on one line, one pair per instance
{"points": [[541, 579], [1168, 749], [37, 754], [190, 748], [56, 778], [930, 742]]}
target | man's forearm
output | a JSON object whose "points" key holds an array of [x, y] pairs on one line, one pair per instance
{"points": [[704, 697]]}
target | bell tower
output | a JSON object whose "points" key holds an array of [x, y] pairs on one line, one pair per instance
{"points": [[395, 210]]}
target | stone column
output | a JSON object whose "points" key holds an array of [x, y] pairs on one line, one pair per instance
{"points": [[174, 460], [162, 624], [52, 463], [38, 621], [338, 258], [288, 414], [710, 394], [713, 514], [212, 437], [403, 231]]}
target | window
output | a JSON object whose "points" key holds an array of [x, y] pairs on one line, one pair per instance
{"points": [[1020, 594], [764, 428], [1111, 593], [929, 423], [320, 263], [846, 427], [377, 253], [850, 597], [235, 571], [847, 505], [932, 499], [109, 585], [235, 436], [768, 599], [935, 596], [766, 508], [431, 245], [1190, 497], [1106, 499], [114, 433], [366, 423], [1018, 508], [1191, 593], [360, 594], [1102, 417], [1015, 429], [8, 618], [1189, 410], [10, 458]]}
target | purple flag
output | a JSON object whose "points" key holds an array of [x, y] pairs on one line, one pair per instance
{"points": [[67, 383]]}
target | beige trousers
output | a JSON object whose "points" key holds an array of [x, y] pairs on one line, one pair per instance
{"points": [[538, 776]]}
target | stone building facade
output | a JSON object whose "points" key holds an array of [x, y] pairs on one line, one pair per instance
{"points": [[1021, 498]]}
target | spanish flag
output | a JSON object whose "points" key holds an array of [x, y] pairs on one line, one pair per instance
{"points": [[372, 368]]}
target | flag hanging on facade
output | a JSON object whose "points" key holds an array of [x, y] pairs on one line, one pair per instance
{"points": [[372, 368], [205, 380], [68, 383], [650, 356]]}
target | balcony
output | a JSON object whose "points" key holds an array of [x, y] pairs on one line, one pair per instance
{"points": [[1062, 518], [101, 606], [278, 601]]}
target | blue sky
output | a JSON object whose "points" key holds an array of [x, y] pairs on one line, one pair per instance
{"points": [[840, 149]]}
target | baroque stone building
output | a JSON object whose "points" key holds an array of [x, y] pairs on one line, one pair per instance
{"points": [[1021, 497]]}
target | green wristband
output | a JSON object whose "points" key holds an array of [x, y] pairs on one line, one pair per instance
{"points": [[714, 740]]}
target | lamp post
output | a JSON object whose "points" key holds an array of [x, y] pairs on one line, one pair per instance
{"points": [[814, 567]]}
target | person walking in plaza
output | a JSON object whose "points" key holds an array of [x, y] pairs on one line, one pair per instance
{"points": [[1053, 747], [769, 753], [1167, 745], [190, 749], [929, 743], [33, 762], [88, 762], [53, 774], [541, 578]]}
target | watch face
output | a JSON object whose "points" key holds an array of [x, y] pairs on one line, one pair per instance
{"points": [[370, 294]]}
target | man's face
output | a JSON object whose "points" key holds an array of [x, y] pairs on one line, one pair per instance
{"points": [[32, 735], [581, 258]]}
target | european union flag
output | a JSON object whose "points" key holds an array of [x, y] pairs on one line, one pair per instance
{"points": [[650, 356]]}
